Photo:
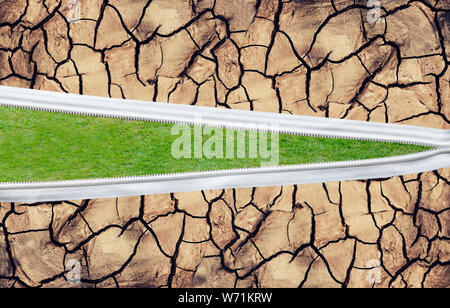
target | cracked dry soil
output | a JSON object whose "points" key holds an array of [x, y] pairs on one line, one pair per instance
{"points": [[319, 58]]}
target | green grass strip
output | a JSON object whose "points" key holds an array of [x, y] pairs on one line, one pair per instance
{"points": [[44, 146]]}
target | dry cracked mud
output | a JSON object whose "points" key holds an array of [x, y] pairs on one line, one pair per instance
{"points": [[317, 58]]}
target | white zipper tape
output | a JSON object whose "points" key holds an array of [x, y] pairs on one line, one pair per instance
{"points": [[258, 177], [218, 117], [236, 178]]}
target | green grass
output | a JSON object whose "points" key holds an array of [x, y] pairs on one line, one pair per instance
{"points": [[41, 146]]}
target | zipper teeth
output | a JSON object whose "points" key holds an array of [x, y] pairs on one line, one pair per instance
{"points": [[193, 123], [233, 127], [132, 179]]}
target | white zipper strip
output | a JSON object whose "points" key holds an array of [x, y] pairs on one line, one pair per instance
{"points": [[236, 178], [218, 117], [258, 177]]}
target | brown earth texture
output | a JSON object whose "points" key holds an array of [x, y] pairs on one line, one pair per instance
{"points": [[318, 58]]}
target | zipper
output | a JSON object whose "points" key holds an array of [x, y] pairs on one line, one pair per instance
{"points": [[436, 158]]}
